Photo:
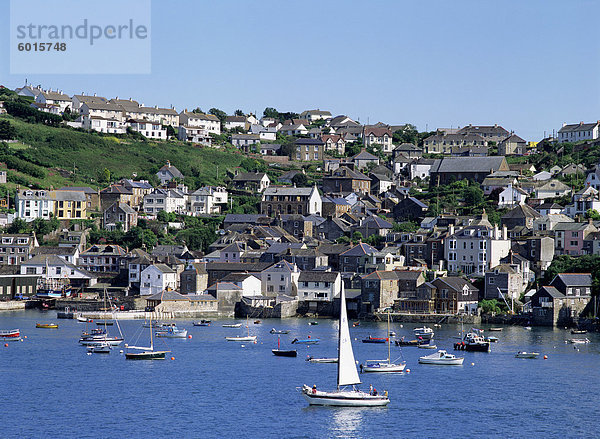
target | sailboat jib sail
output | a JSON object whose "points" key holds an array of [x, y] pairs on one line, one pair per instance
{"points": [[347, 373]]}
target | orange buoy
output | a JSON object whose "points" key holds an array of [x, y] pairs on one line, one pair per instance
{"points": [[407, 370], [25, 337], [172, 358], [5, 345], [545, 357], [190, 336]]}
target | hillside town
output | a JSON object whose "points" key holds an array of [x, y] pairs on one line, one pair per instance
{"points": [[458, 221]]}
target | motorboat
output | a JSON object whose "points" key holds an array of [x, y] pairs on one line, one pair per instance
{"points": [[82, 319], [305, 341], [578, 341], [424, 333], [172, 332], [370, 339], [102, 348], [103, 339], [495, 329], [313, 323], [523, 354], [202, 323], [578, 331], [403, 342], [427, 346], [527, 328], [279, 331], [491, 339], [47, 325], [442, 358], [473, 341], [347, 375], [257, 322], [321, 360], [10, 334]]}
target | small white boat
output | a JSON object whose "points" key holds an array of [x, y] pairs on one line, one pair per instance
{"points": [[242, 338], [172, 332], [382, 366], [527, 328], [234, 325], [322, 360], [442, 358], [427, 346], [578, 341], [82, 319], [523, 354], [101, 348]]}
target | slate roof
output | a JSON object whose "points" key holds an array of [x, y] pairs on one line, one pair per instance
{"points": [[249, 176], [345, 172], [364, 155], [318, 276], [578, 127], [553, 292], [289, 191], [468, 164], [522, 211], [456, 283], [575, 279], [360, 250]]}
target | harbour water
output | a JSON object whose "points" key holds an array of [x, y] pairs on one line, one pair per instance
{"points": [[219, 389]]}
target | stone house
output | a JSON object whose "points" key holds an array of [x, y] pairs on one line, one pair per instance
{"points": [[455, 295], [16, 248], [194, 279], [504, 281], [512, 145], [102, 258], [308, 150], [120, 215], [168, 172], [409, 209], [251, 181], [563, 300], [344, 181], [304, 258], [288, 200], [379, 289], [353, 260]]}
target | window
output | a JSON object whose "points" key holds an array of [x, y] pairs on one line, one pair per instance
{"points": [[491, 281]]}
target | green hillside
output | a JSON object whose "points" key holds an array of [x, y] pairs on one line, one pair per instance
{"points": [[54, 156]]}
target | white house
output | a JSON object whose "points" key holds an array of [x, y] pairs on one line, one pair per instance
{"points": [[319, 286], [103, 124], [151, 130], [379, 136], [552, 189], [511, 196], [101, 109], [207, 200], [194, 134], [249, 283], [32, 204], [208, 122], [57, 98], [421, 168], [233, 122], [578, 131], [57, 269], [314, 115], [294, 129], [264, 133], [168, 172], [476, 248], [280, 278], [169, 200], [156, 279]]}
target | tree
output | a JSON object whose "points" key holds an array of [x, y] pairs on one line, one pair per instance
{"points": [[593, 214], [352, 149], [473, 196], [219, 113], [271, 112], [18, 226], [162, 216], [198, 110], [238, 113], [407, 226], [300, 179], [7, 131], [357, 236], [104, 176]]}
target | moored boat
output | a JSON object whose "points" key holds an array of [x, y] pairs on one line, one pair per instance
{"points": [[383, 366], [172, 332], [370, 339], [495, 329], [248, 337], [147, 353], [442, 358], [202, 323], [47, 325], [305, 341], [424, 333], [233, 325], [523, 354], [347, 375], [321, 360], [283, 352], [279, 331], [102, 348], [474, 342], [578, 341], [10, 333], [105, 322], [578, 331], [313, 323], [427, 346]]}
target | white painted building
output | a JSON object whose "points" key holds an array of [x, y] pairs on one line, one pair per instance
{"points": [[319, 286], [156, 279], [103, 124], [32, 204], [208, 122], [280, 278], [169, 200], [578, 131], [207, 200], [511, 196], [150, 130], [56, 97], [476, 248]]}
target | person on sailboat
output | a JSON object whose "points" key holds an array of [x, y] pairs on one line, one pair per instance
{"points": [[314, 389]]}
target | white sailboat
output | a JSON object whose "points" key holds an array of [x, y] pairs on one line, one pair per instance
{"points": [[147, 353], [384, 365], [248, 337], [347, 375]]}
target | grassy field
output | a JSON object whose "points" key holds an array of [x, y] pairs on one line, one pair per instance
{"points": [[58, 152]]}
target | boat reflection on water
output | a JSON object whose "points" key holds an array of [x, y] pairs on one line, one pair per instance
{"points": [[348, 422]]}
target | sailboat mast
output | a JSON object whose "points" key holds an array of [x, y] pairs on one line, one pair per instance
{"points": [[342, 304], [388, 340]]}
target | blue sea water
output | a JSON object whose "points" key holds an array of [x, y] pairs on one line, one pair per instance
{"points": [[218, 389]]}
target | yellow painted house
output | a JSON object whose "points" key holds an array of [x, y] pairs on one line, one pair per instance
{"points": [[69, 204]]}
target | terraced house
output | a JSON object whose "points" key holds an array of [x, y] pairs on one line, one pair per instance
{"points": [[15, 249]]}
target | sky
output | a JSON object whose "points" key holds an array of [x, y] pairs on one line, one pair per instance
{"points": [[526, 65]]}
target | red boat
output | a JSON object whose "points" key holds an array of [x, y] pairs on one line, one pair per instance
{"points": [[10, 333]]}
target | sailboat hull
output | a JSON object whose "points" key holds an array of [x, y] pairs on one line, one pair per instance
{"points": [[344, 398], [149, 355], [383, 367]]}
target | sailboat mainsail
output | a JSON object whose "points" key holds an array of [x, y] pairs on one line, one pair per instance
{"points": [[347, 373]]}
